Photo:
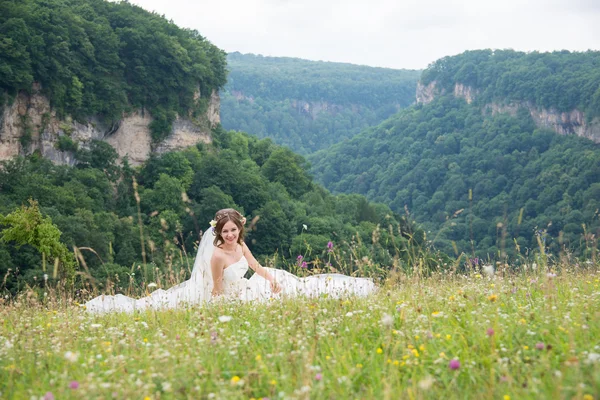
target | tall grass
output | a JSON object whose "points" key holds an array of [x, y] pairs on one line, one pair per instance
{"points": [[527, 334]]}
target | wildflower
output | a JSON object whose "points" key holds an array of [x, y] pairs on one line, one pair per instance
{"points": [[492, 298], [359, 365], [490, 332], [540, 346], [225, 318], [522, 321], [379, 350], [258, 357], [551, 275], [488, 270], [273, 382], [147, 398], [506, 397], [593, 358], [588, 397], [454, 364], [74, 385], [72, 357], [300, 257], [387, 320], [329, 247], [318, 377], [235, 380], [152, 284], [303, 265], [426, 383]]}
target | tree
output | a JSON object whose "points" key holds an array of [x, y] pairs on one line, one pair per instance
{"points": [[27, 226]]}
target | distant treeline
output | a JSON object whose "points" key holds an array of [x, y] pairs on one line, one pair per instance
{"points": [[309, 105]]}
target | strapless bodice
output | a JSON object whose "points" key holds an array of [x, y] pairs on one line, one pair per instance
{"points": [[232, 275]]}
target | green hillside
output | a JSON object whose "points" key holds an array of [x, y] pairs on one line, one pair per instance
{"points": [[561, 80], [309, 105], [95, 57], [480, 184]]}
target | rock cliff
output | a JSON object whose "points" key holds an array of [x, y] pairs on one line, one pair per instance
{"points": [[573, 122], [30, 125]]}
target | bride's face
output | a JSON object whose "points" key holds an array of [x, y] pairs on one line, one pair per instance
{"points": [[230, 232]]}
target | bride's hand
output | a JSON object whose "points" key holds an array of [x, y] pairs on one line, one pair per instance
{"points": [[275, 287]]}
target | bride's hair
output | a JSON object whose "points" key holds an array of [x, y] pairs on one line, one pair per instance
{"points": [[224, 215]]}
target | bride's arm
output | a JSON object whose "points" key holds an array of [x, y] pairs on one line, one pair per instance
{"points": [[216, 266], [252, 263]]}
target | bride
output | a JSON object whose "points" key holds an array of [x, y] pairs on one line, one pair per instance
{"points": [[221, 263]]}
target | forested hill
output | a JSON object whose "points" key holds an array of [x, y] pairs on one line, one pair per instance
{"points": [[308, 105], [101, 58], [561, 80], [482, 182]]}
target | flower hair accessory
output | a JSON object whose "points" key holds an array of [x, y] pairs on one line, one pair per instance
{"points": [[213, 223]]}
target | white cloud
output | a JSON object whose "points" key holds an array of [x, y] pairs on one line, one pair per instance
{"points": [[388, 33]]}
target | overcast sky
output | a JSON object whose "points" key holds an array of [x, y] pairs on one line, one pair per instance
{"points": [[386, 33]]}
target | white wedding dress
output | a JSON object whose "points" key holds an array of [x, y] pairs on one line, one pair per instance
{"points": [[198, 288]]}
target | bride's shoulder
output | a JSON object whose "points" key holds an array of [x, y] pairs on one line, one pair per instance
{"points": [[218, 254]]}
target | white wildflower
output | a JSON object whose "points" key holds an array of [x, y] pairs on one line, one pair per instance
{"points": [[426, 383], [593, 358], [387, 320], [72, 357], [151, 285], [488, 270], [225, 318]]}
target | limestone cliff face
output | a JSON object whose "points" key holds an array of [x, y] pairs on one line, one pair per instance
{"points": [[29, 125], [573, 122], [426, 94], [563, 123]]}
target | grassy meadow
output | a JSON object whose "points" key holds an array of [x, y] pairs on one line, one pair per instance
{"points": [[533, 334]]}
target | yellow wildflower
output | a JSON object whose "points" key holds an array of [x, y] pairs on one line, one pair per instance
{"points": [[273, 382], [258, 357], [492, 298], [379, 350], [235, 379]]}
